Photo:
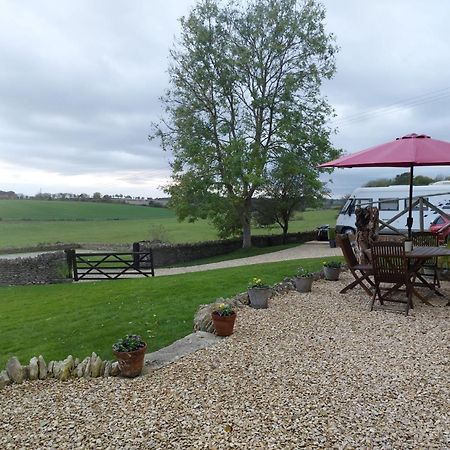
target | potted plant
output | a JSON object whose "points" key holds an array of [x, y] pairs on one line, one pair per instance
{"points": [[223, 318], [258, 293], [303, 280], [331, 270], [130, 352]]}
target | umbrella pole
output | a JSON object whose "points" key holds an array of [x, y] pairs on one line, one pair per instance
{"points": [[409, 221]]}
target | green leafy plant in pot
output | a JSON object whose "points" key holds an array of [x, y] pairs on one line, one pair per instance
{"points": [[258, 293], [332, 270], [303, 280], [223, 318], [130, 352]]}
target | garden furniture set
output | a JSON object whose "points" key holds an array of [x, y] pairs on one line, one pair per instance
{"points": [[402, 270]]}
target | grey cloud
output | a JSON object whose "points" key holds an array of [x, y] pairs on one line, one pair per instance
{"points": [[80, 82]]}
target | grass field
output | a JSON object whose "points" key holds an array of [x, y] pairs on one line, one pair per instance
{"points": [[77, 319], [27, 223]]}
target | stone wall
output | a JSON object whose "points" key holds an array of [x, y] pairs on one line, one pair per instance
{"points": [[167, 254], [42, 269]]}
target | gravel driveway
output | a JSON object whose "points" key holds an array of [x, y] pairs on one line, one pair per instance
{"points": [[314, 370]]}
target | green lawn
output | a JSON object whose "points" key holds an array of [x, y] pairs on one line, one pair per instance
{"points": [[57, 320], [27, 223]]}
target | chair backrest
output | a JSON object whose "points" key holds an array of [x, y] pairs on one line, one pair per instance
{"points": [[343, 241], [425, 239], [389, 262]]}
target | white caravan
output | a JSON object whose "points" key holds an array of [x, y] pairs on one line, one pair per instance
{"points": [[391, 201]]}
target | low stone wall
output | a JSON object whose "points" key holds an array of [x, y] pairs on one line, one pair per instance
{"points": [[167, 254], [42, 269], [37, 369]]}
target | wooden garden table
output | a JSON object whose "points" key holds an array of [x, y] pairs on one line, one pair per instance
{"points": [[418, 257]]}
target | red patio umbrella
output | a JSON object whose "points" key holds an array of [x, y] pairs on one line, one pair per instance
{"points": [[408, 151]]}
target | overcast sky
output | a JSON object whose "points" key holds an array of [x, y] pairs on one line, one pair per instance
{"points": [[80, 83]]}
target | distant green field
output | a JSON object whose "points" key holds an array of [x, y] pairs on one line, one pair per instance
{"points": [[71, 210], [28, 223]]}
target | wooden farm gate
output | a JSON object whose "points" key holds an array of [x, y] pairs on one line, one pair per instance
{"points": [[110, 266]]}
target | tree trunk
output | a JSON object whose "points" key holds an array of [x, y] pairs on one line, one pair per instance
{"points": [[246, 233], [285, 228], [245, 216]]}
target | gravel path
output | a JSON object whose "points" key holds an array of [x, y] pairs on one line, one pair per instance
{"points": [[313, 249], [313, 371]]}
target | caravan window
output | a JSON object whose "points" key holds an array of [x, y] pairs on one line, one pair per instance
{"points": [[346, 206], [363, 202], [417, 207], [388, 204]]}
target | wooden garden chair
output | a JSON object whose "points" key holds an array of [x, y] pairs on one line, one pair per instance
{"points": [[427, 239], [361, 272], [390, 265]]}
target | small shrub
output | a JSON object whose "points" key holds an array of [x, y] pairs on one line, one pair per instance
{"points": [[129, 343], [303, 273], [257, 283], [223, 310], [332, 264]]}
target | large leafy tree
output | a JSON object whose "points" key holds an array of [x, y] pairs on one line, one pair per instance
{"points": [[245, 84], [293, 180]]}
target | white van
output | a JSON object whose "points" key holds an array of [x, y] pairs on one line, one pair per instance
{"points": [[391, 201]]}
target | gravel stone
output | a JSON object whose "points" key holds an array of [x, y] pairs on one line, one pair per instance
{"points": [[315, 370]]}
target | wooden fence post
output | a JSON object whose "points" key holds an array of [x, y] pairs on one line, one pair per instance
{"points": [[71, 263], [136, 259]]}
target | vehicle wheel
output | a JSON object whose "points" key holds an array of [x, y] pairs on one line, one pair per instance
{"points": [[348, 231]]}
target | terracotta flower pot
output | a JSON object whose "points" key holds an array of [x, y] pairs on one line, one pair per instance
{"points": [[131, 363], [223, 324], [331, 273], [258, 297], [303, 284]]}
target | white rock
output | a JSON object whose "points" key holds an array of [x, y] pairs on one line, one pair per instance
{"points": [[50, 369], [57, 367], [107, 371], [79, 370], [42, 368], [66, 368], [96, 365], [34, 369], [115, 369], [15, 370], [87, 369], [4, 379]]}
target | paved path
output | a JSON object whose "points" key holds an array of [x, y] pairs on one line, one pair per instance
{"points": [[313, 249]]}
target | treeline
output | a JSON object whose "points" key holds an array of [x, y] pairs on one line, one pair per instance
{"points": [[403, 178], [95, 197]]}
